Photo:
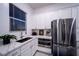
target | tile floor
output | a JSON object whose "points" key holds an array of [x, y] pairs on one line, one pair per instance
{"points": [[43, 52]]}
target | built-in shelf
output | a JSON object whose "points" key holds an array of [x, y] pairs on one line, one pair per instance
{"points": [[42, 32]]}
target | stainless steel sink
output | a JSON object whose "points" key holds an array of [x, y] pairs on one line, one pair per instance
{"points": [[23, 40]]}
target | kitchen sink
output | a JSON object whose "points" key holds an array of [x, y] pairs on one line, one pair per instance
{"points": [[23, 40]]}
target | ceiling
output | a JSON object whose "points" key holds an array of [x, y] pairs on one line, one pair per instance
{"points": [[39, 5]]}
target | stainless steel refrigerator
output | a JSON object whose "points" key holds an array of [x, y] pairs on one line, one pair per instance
{"points": [[63, 32]]}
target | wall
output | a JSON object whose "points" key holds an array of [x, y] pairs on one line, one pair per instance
{"points": [[4, 18]]}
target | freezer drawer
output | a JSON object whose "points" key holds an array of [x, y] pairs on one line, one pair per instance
{"points": [[55, 50], [67, 51]]}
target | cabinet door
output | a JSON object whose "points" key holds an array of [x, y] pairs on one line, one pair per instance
{"points": [[66, 13], [74, 12], [30, 48], [35, 45], [77, 24], [15, 53], [27, 53], [34, 22], [26, 49]]}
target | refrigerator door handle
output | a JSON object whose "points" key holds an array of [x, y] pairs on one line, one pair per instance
{"points": [[71, 30]]}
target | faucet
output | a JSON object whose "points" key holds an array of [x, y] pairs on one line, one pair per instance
{"points": [[21, 35]]}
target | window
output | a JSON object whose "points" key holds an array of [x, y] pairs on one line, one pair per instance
{"points": [[17, 18]]}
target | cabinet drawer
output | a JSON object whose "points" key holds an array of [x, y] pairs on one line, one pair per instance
{"points": [[27, 49], [34, 50], [27, 53], [15, 53], [35, 42], [26, 46]]}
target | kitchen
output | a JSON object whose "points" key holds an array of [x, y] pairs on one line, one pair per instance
{"points": [[31, 23]]}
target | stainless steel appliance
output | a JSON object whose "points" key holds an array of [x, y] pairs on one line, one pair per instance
{"points": [[63, 41]]}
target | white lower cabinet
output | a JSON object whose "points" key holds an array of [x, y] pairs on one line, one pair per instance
{"points": [[27, 49], [30, 48], [26, 53], [15, 53], [34, 45]]}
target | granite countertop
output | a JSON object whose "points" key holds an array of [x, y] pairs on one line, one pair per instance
{"points": [[5, 49]]}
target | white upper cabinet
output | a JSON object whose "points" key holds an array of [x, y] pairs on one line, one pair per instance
{"points": [[34, 22], [43, 20], [77, 21], [75, 15], [65, 13], [74, 12], [56, 14]]}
